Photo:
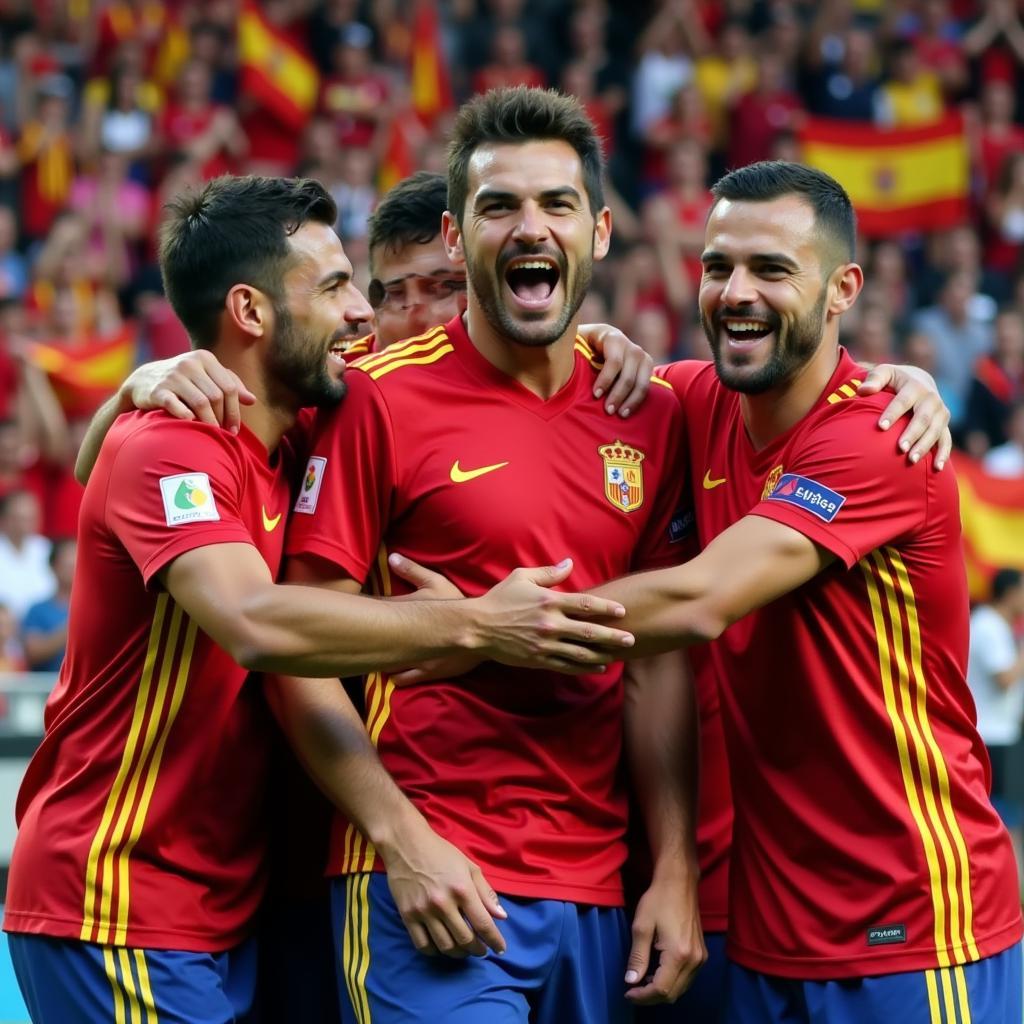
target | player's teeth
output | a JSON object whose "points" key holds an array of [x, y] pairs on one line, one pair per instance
{"points": [[534, 265], [748, 327]]}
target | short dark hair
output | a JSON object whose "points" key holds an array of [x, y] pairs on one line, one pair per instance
{"points": [[233, 231], [1004, 581], [409, 214], [762, 182], [518, 115]]}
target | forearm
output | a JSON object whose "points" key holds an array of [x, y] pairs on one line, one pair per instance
{"points": [[330, 740], [662, 742], [101, 423]]}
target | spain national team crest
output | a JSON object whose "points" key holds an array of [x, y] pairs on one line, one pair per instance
{"points": [[772, 482], [623, 475]]}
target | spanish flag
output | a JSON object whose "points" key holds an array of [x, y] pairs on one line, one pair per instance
{"points": [[902, 179], [431, 86], [85, 374], [992, 513], [275, 70], [405, 136]]}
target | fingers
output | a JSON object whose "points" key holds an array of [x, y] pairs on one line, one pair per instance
{"points": [[945, 449], [172, 405], [632, 385], [608, 376], [587, 606], [878, 377], [901, 403], [546, 575], [639, 952], [412, 572], [925, 429], [420, 938]]}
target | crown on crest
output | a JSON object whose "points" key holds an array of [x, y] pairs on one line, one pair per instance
{"points": [[617, 451]]}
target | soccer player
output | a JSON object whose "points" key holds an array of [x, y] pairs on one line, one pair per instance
{"points": [[138, 866], [870, 873], [469, 447]]}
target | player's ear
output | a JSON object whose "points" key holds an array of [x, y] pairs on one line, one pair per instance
{"points": [[452, 235], [602, 233], [844, 286], [248, 309]]}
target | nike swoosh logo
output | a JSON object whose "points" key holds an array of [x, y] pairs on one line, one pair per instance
{"points": [[270, 524], [709, 484], [460, 475]]}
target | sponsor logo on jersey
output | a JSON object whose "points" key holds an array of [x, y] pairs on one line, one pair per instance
{"points": [[887, 934], [771, 482], [809, 495], [459, 475], [711, 483], [312, 481], [188, 498], [623, 475]]}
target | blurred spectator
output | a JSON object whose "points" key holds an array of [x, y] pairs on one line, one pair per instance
{"points": [[911, 93], [665, 64], [997, 135], [119, 114], [888, 284], [210, 44], [762, 114], [686, 121], [996, 40], [25, 575], [996, 386], [847, 88], [194, 127], [13, 268], [1004, 212], [491, 16], [44, 628], [674, 221], [356, 94], [356, 196], [579, 79], [1007, 459], [872, 341], [508, 64], [12, 657], [724, 74], [995, 674], [141, 23], [45, 152], [959, 338], [116, 212], [936, 37], [327, 21]]}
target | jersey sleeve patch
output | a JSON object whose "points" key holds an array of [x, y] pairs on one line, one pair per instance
{"points": [[188, 498], [681, 525], [309, 489], [808, 494]]}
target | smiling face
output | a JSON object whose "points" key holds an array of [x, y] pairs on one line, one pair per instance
{"points": [[766, 299], [320, 312], [528, 238]]}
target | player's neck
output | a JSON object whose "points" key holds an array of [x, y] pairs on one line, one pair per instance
{"points": [[268, 417], [769, 415], [542, 369]]}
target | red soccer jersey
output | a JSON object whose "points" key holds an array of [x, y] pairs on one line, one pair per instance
{"points": [[864, 841], [440, 456], [141, 814]]}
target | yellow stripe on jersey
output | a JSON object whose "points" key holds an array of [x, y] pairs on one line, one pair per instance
{"points": [[145, 989], [848, 390], [124, 770], [664, 383], [355, 952], [423, 360], [177, 695], [963, 1001], [904, 686], [156, 709], [947, 996], [941, 771], [110, 966], [360, 347], [588, 353], [417, 343], [134, 1010], [934, 1013]]}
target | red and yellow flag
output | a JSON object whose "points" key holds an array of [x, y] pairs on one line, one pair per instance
{"points": [[430, 85], [275, 70], [85, 374], [992, 513], [901, 179]]}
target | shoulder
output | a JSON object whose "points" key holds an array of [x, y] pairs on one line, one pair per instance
{"points": [[690, 378], [407, 363]]}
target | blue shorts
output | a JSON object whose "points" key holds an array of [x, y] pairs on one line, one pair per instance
{"points": [[985, 992], [704, 1001], [63, 980], [564, 964]]}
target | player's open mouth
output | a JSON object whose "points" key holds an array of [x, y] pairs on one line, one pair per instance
{"points": [[744, 333], [336, 355], [532, 280]]}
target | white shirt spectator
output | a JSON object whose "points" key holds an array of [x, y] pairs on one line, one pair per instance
{"points": [[994, 650], [1005, 460], [25, 575]]}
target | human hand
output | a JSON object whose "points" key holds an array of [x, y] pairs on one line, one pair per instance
{"points": [[915, 389], [193, 385], [445, 902], [522, 622], [626, 371], [666, 920]]}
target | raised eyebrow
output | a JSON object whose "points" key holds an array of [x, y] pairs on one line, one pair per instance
{"points": [[560, 193], [490, 195]]}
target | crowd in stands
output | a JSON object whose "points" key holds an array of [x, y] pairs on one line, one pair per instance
{"points": [[108, 107]]}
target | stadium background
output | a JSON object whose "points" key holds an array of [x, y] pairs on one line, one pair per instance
{"points": [[108, 108]]}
